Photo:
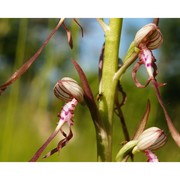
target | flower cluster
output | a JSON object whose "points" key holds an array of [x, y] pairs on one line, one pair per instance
{"points": [[68, 90]]}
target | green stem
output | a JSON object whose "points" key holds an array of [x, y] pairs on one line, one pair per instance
{"points": [[108, 85]]}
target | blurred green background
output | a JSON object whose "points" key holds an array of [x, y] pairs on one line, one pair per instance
{"points": [[28, 108]]}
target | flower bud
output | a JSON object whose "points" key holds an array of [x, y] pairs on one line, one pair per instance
{"points": [[67, 88], [149, 35], [151, 139]]}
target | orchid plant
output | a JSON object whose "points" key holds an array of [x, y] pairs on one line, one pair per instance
{"points": [[102, 111]]}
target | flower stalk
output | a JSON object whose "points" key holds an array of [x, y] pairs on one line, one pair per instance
{"points": [[110, 65]]}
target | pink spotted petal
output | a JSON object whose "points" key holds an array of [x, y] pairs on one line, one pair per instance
{"points": [[151, 156]]}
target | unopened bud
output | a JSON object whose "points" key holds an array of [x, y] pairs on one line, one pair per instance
{"points": [[149, 35], [151, 139], [67, 88]]}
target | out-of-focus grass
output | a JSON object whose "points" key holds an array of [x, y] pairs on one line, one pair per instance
{"points": [[28, 109]]}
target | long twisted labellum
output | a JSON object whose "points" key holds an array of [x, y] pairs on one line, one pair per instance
{"points": [[28, 63], [66, 115], [61, 144], [175, 134]]}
